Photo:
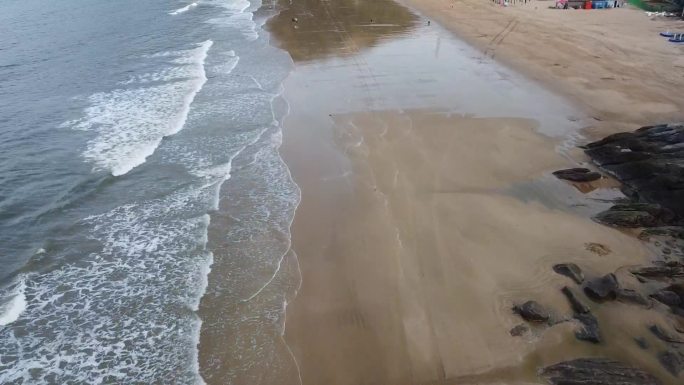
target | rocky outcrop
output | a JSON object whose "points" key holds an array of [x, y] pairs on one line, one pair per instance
{"points": [[661, 271], [636, 215], [650, 164], [591, 371]]}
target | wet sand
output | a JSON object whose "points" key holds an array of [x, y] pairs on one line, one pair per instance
{"points": [[428, 208], [612, 63]]}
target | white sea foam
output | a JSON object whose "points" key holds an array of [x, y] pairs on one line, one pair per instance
{"points": [[184, 9], [130, 123], [242, 21], [15, 305], [237, 17], [228, 65], [126, 313], [234, 6]]}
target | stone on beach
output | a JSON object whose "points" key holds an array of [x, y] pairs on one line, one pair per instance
{"points": [[672, 361], [664, 335], [635, 215], [667, 297], [577, 174], [659, 271], [532, 311], [632, 296], [591, 371], [575, 303], [519, 330], [602, 288], [570, 270], [589, 331]]}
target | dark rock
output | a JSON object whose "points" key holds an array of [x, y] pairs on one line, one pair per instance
{"points": [[650, 163], [603, 288], [635, 215], [641, 342], [575, 303], [665, 335], [519, 330], [532, 311], [677, 288], [678, 311], [672, 361], [577, 175], [589, 331], [615, 154], [595, 371], [669, 231], [570, 270], [611, 139], [659, 271], [632, 296], [637, 170], [631, 219], [667, 297]]}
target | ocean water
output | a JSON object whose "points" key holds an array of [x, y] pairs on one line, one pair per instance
{"points": [[120, 125]]}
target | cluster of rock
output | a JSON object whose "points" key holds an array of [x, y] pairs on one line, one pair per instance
{"points": [[607, 288], [650, 164]]}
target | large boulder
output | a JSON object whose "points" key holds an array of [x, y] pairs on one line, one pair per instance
{"points": [[594, 371]]}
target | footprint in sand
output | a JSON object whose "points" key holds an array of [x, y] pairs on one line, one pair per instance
{"points": [[597, 248]]}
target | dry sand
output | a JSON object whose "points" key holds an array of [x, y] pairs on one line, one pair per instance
{"points": [[427, 207]]}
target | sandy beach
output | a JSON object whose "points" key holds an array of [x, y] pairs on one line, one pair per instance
{"points": [[427, 204], [611, 63]]}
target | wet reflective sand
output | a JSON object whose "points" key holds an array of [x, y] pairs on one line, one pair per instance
{"points": [[428, 210]]}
